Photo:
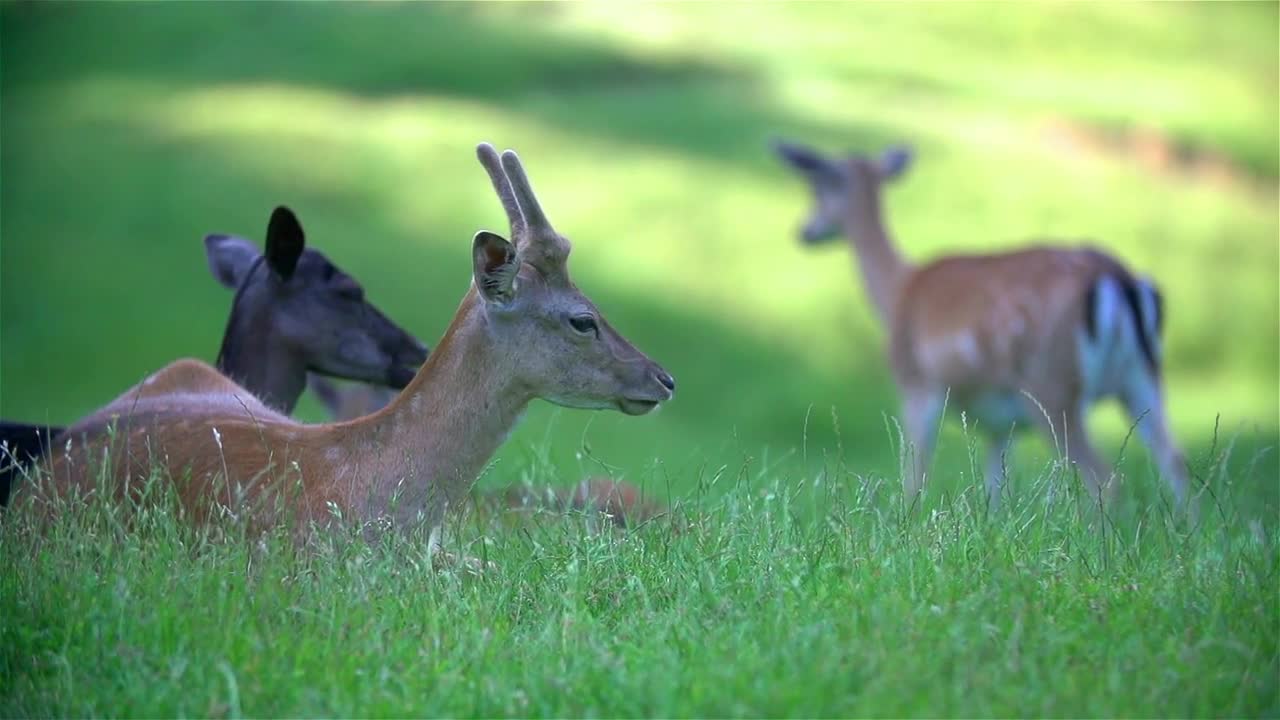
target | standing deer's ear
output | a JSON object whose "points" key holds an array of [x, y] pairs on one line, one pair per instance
{"points": [[801, 157], [285, 242], [894, 161], [230, 258], [495, 267]]}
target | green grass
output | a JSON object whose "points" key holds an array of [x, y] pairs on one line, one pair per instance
{"points": [[805, 598], [131, 130]]}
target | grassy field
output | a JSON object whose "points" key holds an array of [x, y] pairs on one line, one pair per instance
{"points": [[128, 131], [746, 610]]}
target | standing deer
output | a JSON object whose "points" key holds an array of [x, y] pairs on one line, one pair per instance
{"points": [[293, 312], [1029, 337], [523, 331]]}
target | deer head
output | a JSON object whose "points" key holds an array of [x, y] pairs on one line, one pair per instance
{"points": [[560, 346], [315, 314], [844, 189]]}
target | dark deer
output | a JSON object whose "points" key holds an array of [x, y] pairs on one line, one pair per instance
{"points": [[294, 312]]}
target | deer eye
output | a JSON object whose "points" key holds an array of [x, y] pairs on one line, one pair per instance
{"points": [[584, 324]]}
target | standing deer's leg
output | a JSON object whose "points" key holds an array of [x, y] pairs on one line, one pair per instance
{"points": [[998, 446], [1076, 448], [1066, 433], [921, 413], [1145, 405], [435, 546]]}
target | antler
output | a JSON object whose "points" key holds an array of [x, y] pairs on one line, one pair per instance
{"points": [[545, 249], [537, 242], [529, 206], [502, 186]]}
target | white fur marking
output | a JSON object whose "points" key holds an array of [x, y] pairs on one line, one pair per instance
{"points": [[1111, 358], [1149, 319], [1094, 352]]}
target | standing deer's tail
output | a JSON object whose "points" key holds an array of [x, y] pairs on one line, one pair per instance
{"points": [[1122, 356], [1119, 294], [21, 445]]}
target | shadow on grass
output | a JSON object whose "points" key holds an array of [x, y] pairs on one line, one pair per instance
{"points": [[510, 57]]}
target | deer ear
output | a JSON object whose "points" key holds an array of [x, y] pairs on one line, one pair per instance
{"points": [[800, 157], [230, 258], [285, 242], [894, 161], [495, 267]]}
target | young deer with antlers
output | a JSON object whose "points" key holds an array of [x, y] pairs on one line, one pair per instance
{"points": [[294, 313], [523, 331], [1029, 337]]}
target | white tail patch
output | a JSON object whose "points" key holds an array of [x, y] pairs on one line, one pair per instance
{"points": [[1149, 311], [1097, 337], [1109, 344]]}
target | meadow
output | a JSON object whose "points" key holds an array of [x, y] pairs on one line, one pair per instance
{"points": [[793, 583]]}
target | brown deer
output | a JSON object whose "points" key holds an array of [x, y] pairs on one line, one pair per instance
{"points": [[523, 331], [293, 312], [1029, 337]]}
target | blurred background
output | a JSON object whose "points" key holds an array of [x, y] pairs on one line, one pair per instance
{"points": [[132, 130]]}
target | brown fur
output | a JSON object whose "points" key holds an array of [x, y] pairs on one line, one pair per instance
{"points": [[1022, 308], [620, 503]]}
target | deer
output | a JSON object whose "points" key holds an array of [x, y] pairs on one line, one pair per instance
{"points": [[294, 314], [620, 503], [1030, 337], [523, 331]]}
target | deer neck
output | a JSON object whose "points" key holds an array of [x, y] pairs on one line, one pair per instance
{"points": [[423, 452], [878, 260], [273, 373]]}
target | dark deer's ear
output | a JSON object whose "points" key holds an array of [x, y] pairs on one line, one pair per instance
{"points": [[285, 242], [494, 266], [230, 258]]}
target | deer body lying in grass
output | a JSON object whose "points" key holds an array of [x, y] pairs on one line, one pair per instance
{"points": [[1032, 337], [522, 331], [294, 313], [621, 503]]}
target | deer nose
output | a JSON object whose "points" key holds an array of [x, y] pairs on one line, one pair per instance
{"points": [[667, 381]]}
